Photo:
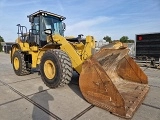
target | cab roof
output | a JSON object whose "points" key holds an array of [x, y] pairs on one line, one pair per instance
{"points": [[41, 12]]}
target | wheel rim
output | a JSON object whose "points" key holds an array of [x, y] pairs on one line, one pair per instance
{"points": [[16, 63], [49, 69]]}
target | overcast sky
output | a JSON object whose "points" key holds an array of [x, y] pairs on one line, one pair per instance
{"points": [[115, 18]]}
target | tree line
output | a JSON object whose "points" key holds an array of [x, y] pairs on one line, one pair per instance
{"points": [[123, 39]]}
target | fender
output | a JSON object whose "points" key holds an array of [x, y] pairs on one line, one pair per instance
{"points": [[44, 49], [14, 48]]}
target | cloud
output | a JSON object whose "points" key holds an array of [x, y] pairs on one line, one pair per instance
{"points": [[86, 26], [5, 3], [60, 5], [2, 2]]}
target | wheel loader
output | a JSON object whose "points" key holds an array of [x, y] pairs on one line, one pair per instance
{"points": [[109, 78]]}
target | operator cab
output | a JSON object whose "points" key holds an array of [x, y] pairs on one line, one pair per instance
{"points": [[40, 21]]}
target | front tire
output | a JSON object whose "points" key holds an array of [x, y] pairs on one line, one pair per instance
{"points": [[19, 64], [56, 68]]}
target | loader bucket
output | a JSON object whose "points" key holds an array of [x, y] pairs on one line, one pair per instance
{"points": [[110, 79]]}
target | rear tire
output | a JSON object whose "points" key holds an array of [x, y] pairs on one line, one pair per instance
{"points": [[19, 64], [55, 68]]}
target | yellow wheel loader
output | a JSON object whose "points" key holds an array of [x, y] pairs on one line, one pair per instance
{"points": [[109, 79]]}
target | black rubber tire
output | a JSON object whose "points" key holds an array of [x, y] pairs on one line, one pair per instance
{"points": [[63, 68], [22, 64]]}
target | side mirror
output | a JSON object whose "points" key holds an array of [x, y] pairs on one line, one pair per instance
{"points": [[48, 31], [64, 26]]}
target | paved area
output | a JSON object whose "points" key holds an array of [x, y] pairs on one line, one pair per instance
{"points": [[27, 98]]}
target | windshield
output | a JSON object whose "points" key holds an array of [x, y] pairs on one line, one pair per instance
{"points": [[54, 24]]}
